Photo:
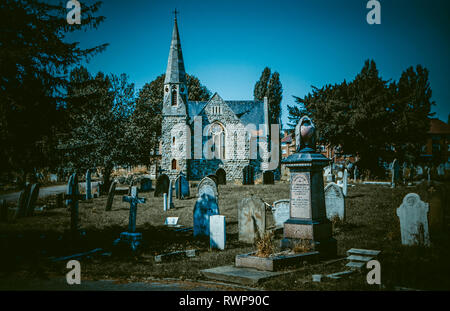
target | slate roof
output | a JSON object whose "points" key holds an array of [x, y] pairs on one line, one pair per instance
{"points": [[175, 72], [248, 111]]}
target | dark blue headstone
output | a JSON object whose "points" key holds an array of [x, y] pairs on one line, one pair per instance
{"points": [[146, 185], [181, 187], [205, 206]]}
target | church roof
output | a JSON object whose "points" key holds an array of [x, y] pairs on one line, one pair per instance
{"points": [[248, 111], [175, 72]]}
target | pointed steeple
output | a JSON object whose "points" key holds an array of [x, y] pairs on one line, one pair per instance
{"points": [[175, 72]]}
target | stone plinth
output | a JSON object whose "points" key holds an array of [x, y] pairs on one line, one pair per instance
{"points": [[307, 217]]}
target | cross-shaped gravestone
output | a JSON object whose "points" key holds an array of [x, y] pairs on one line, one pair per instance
{"points": [[131, 238], [133, 200], [72, 196]]}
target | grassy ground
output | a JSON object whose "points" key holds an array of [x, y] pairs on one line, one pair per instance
{"points": [[26, 244]]}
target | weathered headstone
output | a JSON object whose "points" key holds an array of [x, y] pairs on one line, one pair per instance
{"points": [[111, 193], [334, 201], [217, 231], [53, 177], [205, 206], [248, 175], [207, 185], [355, 173], [280, 212], [34, 194], [73, 195], [182, 189], [268, 178], [88, 185], [345, 183], [162, 185], [441, 169], [170, 196], [214, 178], [221, 176], [146, 184], [22, 202], [413, 220], [251, 219], [395, 173], [419, 170]]}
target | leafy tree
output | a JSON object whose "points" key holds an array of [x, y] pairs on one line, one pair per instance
{"points": [[99, 111], [274, 97], [370, 117], [260, 89], [410, 111], [35, 58]]}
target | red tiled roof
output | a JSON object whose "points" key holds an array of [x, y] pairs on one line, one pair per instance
{"points": [[438, 127]]}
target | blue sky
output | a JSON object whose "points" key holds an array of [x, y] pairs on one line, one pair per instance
{"points": [[227, 43]]}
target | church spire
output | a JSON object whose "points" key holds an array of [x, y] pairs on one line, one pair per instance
{"points": [[175, 72]]}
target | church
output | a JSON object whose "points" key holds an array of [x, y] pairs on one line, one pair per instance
{"points": [[226, 138]]}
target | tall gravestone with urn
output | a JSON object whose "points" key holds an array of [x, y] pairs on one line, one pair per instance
{"points": [[307, 215]]}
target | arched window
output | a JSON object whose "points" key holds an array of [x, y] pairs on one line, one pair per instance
{"points": [[174, 164], [218, 139], [173, 140], [174, 97]]}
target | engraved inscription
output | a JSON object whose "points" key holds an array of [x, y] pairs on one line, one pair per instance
{"points": [[300, 195]]}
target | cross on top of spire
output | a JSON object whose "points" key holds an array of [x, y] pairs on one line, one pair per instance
{"points": [[175, 12]]}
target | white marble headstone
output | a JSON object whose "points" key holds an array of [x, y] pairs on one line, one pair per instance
{"points": [[217, 231], [280, 212], [413, 220], [334, 201]]}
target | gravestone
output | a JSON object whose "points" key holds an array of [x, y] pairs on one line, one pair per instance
{"points": [[248, 175], [162, 185], [280, 212], [131, 237], [395, 173], [221, 176], [214, 178], [441, 169], [72, 196], [112, 191], [217, 231], [334, 201], [22, 202], [146, 184], [205, 207], [88, 185], [355, 173], [268, 178], [307, 219], [182, 189], [34, 194], [209, 186], [413, 215], [251, 219], [419, 170], [170, 195], [165, 202], [345, 182]]}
